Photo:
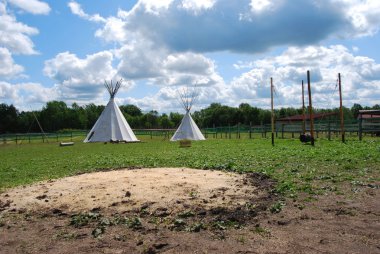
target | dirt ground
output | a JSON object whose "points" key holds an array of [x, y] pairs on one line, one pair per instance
{"points": [[181, 210]]}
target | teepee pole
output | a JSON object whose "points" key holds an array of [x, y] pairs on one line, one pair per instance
{"points": [[272, 111], [303, 110], [341, 109], [310, 110]]}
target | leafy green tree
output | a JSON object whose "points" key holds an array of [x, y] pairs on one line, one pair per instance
{"points": [[355, 109], [8, 118], [92, 112], [54, 116], [131, 110], [175, 118], [165, 122]]}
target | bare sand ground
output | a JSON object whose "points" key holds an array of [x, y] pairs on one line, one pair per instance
{"points": [[180, 210], [125, 190]]}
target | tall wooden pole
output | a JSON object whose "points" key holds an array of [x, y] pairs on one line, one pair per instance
{"points": [[341, 109], [272, 117], [303, 110], [310, 110]]}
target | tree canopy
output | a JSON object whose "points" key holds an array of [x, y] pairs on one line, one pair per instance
{"points": [[57, 115]]}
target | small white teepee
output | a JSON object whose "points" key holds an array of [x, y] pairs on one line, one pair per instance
{"points": [[111, 124], [188, 129]]}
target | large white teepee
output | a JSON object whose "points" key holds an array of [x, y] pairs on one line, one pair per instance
{"points": [[188, 129], [111, 124]]}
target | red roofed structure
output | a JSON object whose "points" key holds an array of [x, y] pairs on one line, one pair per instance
{"points": [[369, 114], [299, 118]]}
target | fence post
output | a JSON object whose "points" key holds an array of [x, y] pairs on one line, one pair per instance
{"points": [[329, 130], [265, 131], [360, 128], [282, 130], [250, 130]]}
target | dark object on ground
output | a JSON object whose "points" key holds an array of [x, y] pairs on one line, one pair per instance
{"points": [[306, 137]]}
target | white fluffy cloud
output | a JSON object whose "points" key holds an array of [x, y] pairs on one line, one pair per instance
{"points": [[31, 6], [8, 68], [77, 10], [363, 16], [360, 82], [159, 41], [25, 96], [239, 26], [167, 98], [144, 61], [14, 35], [80, 80], [360, 77]]}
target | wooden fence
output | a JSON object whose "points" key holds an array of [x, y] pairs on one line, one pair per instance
{"points": [[327, 130]]}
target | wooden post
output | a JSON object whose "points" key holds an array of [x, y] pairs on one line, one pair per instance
{"points": [[265, 131], [282, 130], [310, 110], [341, 109], [250, 130], [303, 110], [360, 127], [272, 115], [329, 130]]}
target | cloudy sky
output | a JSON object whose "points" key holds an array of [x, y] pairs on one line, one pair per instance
{"points": [[64, 50]]}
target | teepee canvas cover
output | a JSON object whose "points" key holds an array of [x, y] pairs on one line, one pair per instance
{"points": [[111, 124], [188, 129]]}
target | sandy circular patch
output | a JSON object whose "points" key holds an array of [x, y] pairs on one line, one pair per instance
{"points": [[125, 190]]}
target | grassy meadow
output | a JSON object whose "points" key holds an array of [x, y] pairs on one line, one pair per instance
{"points": [[297, 167]]}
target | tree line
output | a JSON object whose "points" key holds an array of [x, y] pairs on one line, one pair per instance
{"points": [[57, 116]]}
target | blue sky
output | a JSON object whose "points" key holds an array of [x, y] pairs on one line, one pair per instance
{"points": [[64, 50]]}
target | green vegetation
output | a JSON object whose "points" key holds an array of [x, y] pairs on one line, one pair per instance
{"points": [[56, 116], [297, 167]]}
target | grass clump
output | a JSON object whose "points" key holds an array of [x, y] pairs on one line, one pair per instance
{"points": [[297, 168]]}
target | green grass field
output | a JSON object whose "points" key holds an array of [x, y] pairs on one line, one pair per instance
{"points": [[297, 167]]}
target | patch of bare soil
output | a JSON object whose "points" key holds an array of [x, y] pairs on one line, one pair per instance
{"points": [[183, 211]]}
